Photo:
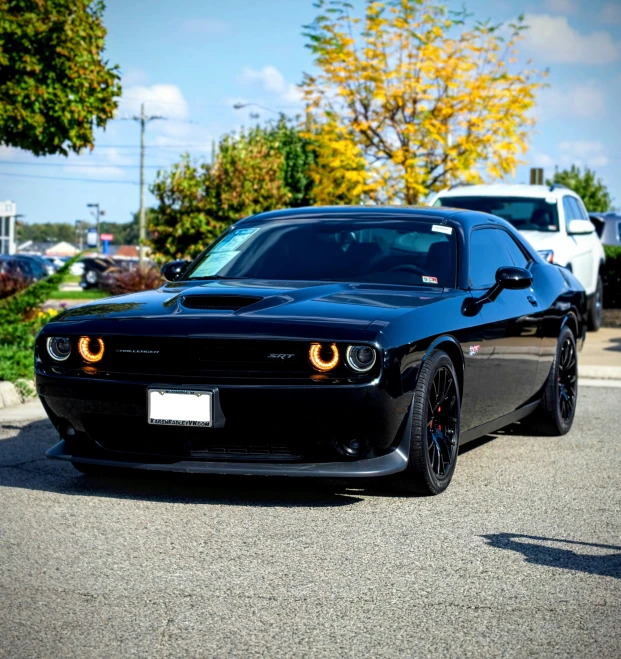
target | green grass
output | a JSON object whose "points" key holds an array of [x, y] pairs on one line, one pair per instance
{"points": [[72, 279], [91, 294]]}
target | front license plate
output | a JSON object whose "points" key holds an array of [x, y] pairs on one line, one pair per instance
{"points": [[177, 407]]}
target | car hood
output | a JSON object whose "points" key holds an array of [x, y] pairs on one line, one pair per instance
{"points": [[252, 307], [541, 239]]}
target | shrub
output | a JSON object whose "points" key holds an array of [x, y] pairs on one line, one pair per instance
{"points": [[612, 277], [132, 281], [21, 319], [12, 283]]}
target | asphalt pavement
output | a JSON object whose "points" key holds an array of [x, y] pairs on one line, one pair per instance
{"points": [[521, 557]]}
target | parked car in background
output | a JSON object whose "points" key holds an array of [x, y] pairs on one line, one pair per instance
{"points": [[12, 266], [33, 265], [41, 266], [608, 227], [555, 222], [96, 269], [77, 269]]}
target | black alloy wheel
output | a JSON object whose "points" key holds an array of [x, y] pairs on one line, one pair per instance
{"points": [[556, 414], [442, 422], [567, 380], [434, 439]]}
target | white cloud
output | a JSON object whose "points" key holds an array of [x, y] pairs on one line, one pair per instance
{"points": [[583, 152], [272, 80], [164, 100], [611, 13], [584, 100], [561, 6], [553, 40], [210, 26]]}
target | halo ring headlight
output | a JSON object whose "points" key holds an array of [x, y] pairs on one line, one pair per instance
{"points": [[58, 347], [91, 350], [318, 361], [360, 358]]}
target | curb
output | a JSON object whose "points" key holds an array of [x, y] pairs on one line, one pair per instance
{"points": [[10, 395], [599, 372]]}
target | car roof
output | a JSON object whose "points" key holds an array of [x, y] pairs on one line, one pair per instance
{"points": [[508, 190], [439, 215]]}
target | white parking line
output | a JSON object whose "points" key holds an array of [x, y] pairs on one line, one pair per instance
{"points": [[610, 384]]}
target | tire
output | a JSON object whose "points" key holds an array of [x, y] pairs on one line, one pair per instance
{"points": [[595, 308], [558, 406], [434, 440]]}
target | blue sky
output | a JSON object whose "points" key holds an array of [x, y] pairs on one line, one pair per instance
{"points": [[191, 60]]}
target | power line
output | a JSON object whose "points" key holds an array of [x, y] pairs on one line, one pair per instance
{"points": [[61, 164], [67, 178]]}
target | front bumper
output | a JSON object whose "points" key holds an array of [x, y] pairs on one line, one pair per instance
{"points": [[108, 422]]}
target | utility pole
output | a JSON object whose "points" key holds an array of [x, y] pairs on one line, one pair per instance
{"points": [[143, 119]]}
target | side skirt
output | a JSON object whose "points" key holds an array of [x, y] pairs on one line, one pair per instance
{"points": [[498, 423]]}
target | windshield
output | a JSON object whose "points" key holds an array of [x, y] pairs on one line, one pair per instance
{"points": [[523, 213], [379, 251]]}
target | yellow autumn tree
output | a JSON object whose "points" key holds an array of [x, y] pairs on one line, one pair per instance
{"points": [[425, 97]]}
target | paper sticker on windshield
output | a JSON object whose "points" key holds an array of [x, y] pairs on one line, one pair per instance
{"points": [[438, 228], [213, 263], [235, 240], [430, 280]]}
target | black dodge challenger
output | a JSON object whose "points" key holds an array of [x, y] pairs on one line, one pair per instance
{"points": [[336, 342]]}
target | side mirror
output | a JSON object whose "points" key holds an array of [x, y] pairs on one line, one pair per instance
{"points": [[515, 279], [173, 270], [509, 277], [579, 227]]}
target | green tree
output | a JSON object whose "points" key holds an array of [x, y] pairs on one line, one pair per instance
{"points": [[55, 85], [259, 169], [590, 188]]}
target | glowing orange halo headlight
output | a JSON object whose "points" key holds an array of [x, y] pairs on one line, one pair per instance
{"points": [[84, 348], [314, 354]]}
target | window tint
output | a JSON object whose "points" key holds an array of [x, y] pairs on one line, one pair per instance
{"points": [[372, 250], [517, 255], [488, 252]]}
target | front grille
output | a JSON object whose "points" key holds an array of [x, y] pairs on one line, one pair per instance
{"points": [[218, 302], [126, 434]]}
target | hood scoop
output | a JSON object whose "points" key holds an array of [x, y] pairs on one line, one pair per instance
{"points": [[218, 302]]}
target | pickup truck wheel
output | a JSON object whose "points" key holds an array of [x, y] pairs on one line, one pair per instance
{"points": [[595, 307], [434, 440]]}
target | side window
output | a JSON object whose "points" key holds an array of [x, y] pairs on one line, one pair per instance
{"points": [[569, 210], [487, 254], [582, 208], [517, 255]]}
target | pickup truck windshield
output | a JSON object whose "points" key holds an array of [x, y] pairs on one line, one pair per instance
{"points": [[523, 213], [383, 251]]}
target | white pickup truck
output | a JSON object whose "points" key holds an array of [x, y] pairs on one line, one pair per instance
{"points": [[552, 218]]}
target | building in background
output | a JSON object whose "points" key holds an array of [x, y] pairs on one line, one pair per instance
{"points": [[7, 227]]}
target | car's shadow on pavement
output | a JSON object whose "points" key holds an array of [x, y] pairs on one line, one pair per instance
{"points": [[23, 464], [589, 557]]}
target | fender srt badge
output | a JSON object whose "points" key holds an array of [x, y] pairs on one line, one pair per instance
{"points": [[474, 350], [430, 280]]}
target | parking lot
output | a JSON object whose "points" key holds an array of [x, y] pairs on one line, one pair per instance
{"points": [[520, 557]]}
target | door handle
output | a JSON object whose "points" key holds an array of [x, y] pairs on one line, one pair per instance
{"points": [[532, 300]]}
